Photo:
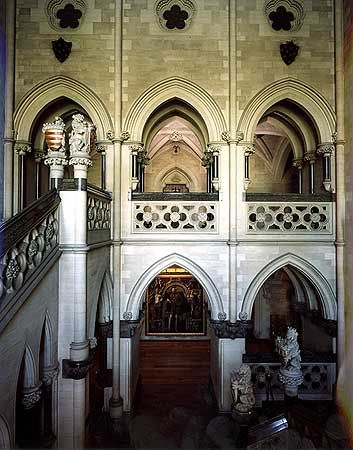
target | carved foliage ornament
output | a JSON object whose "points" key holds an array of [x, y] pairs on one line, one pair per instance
{"points": [[175, 14], [286, 15], [65, 14]]}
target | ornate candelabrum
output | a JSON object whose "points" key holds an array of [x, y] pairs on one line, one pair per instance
{"points": [[242, 394], [290, 373], [56, 157]]}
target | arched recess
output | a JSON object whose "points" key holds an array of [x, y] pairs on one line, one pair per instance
{"points": [[137, 293], [327, 297], [30, 372], [5, 437], [51, 89], [102, 310], [168, 90], [48, 357], [304, 95]]}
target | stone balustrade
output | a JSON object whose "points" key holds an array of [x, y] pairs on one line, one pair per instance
{"points": [[293, 217], [175, 216]]}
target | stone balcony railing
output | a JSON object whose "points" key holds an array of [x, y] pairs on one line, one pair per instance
{"points": [[175, 213]]}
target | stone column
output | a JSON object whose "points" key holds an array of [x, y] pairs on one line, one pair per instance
{"points": [[135, 149], [101, 149], [214, 168], [50, 375], [299, 164], [311, 158], [21, 148], [38, 158], [326, 151], [10, 8], [249, 150]]}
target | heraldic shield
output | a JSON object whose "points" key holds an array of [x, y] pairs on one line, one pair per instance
{"points": [[61, 49], [289, 52]]}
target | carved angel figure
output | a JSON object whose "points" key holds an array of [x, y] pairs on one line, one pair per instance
{"points": [[242, 390]]}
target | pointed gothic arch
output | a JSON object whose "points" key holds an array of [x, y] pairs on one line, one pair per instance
{"points": [[30, 371], [137, 293], [102, 308], [168, 90], [294, 90], [48, 343], [324, 290], [49, 90]]}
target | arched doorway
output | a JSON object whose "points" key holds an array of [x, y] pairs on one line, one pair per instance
{"points": [[174, 344]]}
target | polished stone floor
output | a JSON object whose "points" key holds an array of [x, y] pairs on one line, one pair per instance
{"points": [[184, 417]]}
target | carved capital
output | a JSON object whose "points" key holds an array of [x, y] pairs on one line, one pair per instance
{"points": [[239, 137], [325, 149], [101, 148], [298, 163], [50, 374], [249, 149], [214, 149], [310, 157], [21, 148], [136, 148], [31, 396], [55, 160], [39, 156]]}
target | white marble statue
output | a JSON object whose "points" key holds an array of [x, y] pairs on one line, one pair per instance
{"points": [[242, 390], [290, 372], [80, 136]]}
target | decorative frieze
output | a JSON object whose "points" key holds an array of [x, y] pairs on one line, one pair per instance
{"points": [[231, 330], [289, 218], [175, 216]]}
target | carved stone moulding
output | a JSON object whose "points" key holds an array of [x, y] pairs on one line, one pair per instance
{"points": [[175, 15], [285, 15], [65, 14]]}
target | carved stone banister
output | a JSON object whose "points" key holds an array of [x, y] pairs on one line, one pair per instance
{"points": [[17, 228], [95, 191]]}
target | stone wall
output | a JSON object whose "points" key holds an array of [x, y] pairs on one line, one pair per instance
{"points": [[26, 330], [92, 56]]}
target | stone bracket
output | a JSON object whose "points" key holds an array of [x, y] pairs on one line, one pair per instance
{"points": [[76, 370]]}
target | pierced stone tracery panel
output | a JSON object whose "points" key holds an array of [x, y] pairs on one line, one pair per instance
{"points": [[175, 15], [289, 218], [188, 217], [285, 15], [98, 214]]}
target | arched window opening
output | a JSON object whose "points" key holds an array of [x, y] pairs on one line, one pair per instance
{"points": [[286, 158]]}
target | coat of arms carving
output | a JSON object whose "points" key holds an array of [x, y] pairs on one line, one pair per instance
{"points": [[61, 49], [289, 52]]}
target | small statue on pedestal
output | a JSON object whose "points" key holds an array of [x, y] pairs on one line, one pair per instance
{"points": [[290, 373], [242, 393]]}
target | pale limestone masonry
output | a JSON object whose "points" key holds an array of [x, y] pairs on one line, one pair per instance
{"points": [[92, 56]]}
